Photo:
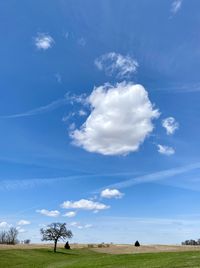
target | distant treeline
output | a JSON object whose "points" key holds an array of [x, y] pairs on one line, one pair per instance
{"points": [[191, 242]]}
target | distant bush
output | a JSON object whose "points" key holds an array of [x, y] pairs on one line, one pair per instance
{"points": [[27, 241], [103, 245], [191, 242], [90, 245]]}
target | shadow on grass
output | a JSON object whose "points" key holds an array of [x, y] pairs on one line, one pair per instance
{"points": [[62, 252]]}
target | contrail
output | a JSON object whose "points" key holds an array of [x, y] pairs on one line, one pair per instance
{"points": [[40, 110], [156, 176]]}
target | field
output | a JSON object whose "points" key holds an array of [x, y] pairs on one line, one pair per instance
{"points": [[43, 257]]}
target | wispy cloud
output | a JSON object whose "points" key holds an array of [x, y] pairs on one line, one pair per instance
{"points": [[116, 64], [7, 185], [58, 78], [23, 184], [153, 177], [79, 225], [176, 6], [177, 88], [23, 222], [166, 150], [70, 214]]}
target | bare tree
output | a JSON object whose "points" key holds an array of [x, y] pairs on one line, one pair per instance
{"points": [[54, 232], [12, 236], [3, 237]]}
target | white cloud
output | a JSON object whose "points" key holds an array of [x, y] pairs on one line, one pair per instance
{"points": [[170, 125], [43, 41], [70, 214], [120, 120], [176, 6], [74, 223], [82, 113], [116, 64], [4, 224], [80, 226], [20, 230], [165, 149], [58, 78], [23, 222], [111, 193], [82, 41], [84, 204], [49, 213], [88, 225]]}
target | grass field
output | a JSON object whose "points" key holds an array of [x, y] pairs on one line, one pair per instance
{"points": [[45, 258]]}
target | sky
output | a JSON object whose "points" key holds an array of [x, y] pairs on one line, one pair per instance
{"points": [[99, 119]]}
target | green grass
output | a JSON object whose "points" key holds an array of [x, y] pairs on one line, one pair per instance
{"points": [[44, 258]]}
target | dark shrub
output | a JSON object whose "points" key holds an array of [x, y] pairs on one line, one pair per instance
{"points": [[67, 246], [137, 244]]}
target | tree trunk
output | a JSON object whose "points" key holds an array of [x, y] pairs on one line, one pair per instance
{"points": [[55, 245]]}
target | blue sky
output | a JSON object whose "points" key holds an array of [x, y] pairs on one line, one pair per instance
{"points": [[99, 115]]}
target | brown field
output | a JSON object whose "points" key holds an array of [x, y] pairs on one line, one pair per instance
{"points": [[112, 249], [127, 249]]}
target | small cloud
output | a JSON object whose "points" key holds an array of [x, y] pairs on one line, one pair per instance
{"points": [[170, 125], [80, 226], [70, 214], [68, 117], [121, 118], [66, 35], [20, 230], [49, 213], [82, 41], [43, 41], [4, 224], [82, 113], [74, 223], [84, 204], [23, 222], [72, 126], [176, 6], [111, 193], [162, 149], [58, 78], [116, 64], [88, 225]]}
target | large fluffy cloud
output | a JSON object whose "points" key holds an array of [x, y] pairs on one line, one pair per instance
{"points": [[84, 204], [120, 120], [116, 64]]}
